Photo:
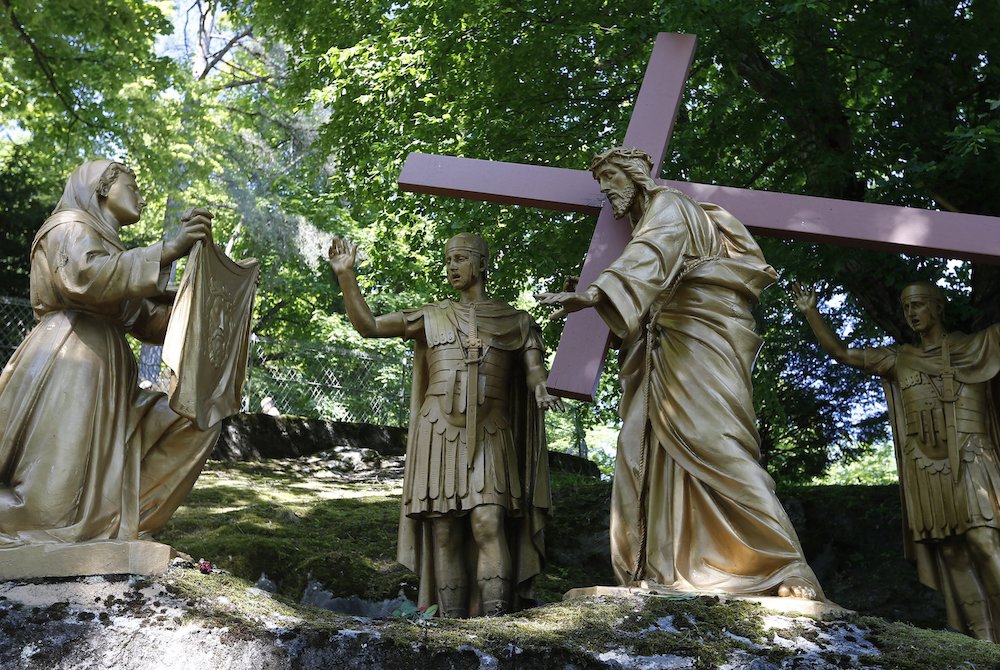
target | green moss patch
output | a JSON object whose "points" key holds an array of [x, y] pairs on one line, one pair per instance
{"points": [[295, 520], [906, 647], [258, 518]]}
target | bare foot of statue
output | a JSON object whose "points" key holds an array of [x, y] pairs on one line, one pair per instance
{"points": [[796, 587]]}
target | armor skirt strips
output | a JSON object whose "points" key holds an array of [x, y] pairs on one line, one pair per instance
{"points": [[937, 505], [439, 477]]}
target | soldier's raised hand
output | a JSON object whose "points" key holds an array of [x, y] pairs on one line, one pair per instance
{"points": [[343, 254], [803, 298]]}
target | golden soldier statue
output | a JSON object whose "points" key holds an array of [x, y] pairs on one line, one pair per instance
{"points": [[943, 408], [476, 490]]}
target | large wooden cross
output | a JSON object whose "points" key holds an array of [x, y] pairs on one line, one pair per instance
{"points": [[584, 342]]}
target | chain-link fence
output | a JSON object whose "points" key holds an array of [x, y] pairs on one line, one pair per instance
{"points": [[296, 378], [305, 379], [16, 319], [329, 382]]}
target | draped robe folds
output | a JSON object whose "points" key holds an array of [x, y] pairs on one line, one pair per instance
{"points": [[84, 453], [499, 325], [692, 508], [975, 359]]}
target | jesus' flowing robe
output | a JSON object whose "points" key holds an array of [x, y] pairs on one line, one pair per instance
{"points": [[692, 508]]}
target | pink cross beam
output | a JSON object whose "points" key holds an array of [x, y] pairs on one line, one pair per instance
{"points": [[583, 346]]}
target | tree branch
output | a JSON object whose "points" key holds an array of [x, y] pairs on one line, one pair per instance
{"points": [[244, 82], [218, 55], [264, 319], [42, 62]]}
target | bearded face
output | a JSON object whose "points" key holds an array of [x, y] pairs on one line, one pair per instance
{"points": [[617, 186], [622, 199]]}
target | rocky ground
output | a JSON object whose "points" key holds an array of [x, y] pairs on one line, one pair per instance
{"points": [[187, 619]]}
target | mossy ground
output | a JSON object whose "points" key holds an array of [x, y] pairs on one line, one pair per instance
{"points": [[290, 520], [905, 647], [577, 632], [572, 632]]}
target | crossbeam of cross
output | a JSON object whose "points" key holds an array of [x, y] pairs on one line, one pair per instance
{"points": [[584, 343]]}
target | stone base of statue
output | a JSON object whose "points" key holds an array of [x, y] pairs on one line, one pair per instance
{"points": [[814, 608], [105, 557]]}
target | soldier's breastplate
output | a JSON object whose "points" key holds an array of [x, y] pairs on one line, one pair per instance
{"points": [[927, 414], [448, 382]]}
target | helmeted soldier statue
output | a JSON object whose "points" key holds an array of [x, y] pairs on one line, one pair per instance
{"points": [[475, 489], [942, 396]]}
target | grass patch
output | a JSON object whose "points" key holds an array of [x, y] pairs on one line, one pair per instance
{"points": [[287, 520], [253, 518]]}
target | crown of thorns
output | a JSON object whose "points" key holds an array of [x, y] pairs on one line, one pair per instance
{"points": [[630, 154]]}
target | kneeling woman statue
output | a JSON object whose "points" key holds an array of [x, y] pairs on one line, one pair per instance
{"points": [[85, 454]]}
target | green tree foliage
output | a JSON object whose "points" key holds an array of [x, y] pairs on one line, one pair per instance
{"points": [[195, 116], [292, 118], [806, 403], [875, 467], [459, 78], [23, 206], [889, 102], [79, 79]]}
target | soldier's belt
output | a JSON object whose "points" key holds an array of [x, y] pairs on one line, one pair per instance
{"points": [[928, 422]]}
